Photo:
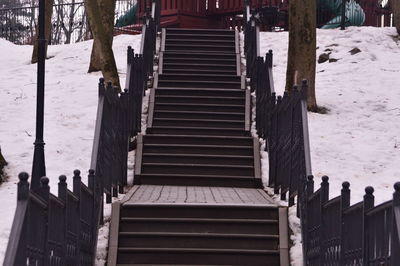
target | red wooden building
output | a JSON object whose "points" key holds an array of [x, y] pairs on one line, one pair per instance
{"points": [[224, 13]]}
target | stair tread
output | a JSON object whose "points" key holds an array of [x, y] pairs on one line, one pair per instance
{"points": [[184, 234], [199, 81], [200, 176], [198, 220], [200, 120], [196, 75], [200, 165], [200, 89], [199, 59], [201, 35], [196, 64], [202, 104], [197, 136], [200, 146], [198, 155], [200, 40], [199, 112], [200, 250]]}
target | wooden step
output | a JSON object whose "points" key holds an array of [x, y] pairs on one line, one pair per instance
{"points": [[198, 140], [200, 66], [151, 210], [173, 256], [197, 180], [176, 59], [200, 31], [211, 42], [198, 240], [199, 83], [199, 55], [191, 122], [197, 159], [198, 169], [236, 108], [201, 36], [204, 225], [199, 77], [200, 115], [206, 70], [220, 48], [207, 92], [196, 131], [199, 149]]}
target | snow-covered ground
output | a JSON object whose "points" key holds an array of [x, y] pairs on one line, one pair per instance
{"points": [[70, 114], [358, 140]]}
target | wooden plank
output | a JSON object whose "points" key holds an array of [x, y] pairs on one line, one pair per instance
{"points": [[160, 64], [257, 162], [114, 233], [138, 158], [247, 125], [150, 115], [129, 195], [283, 236]]}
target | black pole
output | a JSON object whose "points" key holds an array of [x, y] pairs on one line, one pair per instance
{"points": [[39, 168], [343, 15]]}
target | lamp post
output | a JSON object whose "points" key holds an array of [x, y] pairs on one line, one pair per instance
{"points": [[39, 168]]}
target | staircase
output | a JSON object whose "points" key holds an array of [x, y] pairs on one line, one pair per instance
{"points": [[197, 198]]}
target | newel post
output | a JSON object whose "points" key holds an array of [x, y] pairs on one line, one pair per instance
{"points": [[44, 190], [77, 183], [62, 188], [395, 256], [344, 204], [23, 186], [369, 199]]}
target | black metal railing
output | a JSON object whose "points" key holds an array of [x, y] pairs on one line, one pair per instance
{"points": [[251, 43], [333, 232], [111, 141], [360, 234], [54, 230], [63, 229], [136, 88], [69, 22], [148, 45]]}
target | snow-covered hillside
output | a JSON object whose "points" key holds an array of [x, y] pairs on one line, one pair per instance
{"points": [[70, 113], [358, 140]]}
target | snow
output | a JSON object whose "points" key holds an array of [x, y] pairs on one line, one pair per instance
{"points": [[358, 140], [70, 113]]}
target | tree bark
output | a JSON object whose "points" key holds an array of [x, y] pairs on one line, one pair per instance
{"points": [[104, 46], [107, 17], [47, 29], [396, 14], [3, 163], [302, 47]]}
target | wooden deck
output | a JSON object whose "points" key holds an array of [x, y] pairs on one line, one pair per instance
{"points": [[196, 195]]}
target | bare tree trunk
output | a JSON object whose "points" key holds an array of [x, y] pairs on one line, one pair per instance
{"points": [[104, 48], [47, 29], [107, 10], [396, 14], [302, 47], [2, 164]]}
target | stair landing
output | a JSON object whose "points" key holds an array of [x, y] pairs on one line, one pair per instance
{"points": [[145, 194]]}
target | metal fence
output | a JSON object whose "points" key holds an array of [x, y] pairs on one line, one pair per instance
{"points": [[54, 230], [63, 229], [69, 22], [338, 233], [333, 231]]}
